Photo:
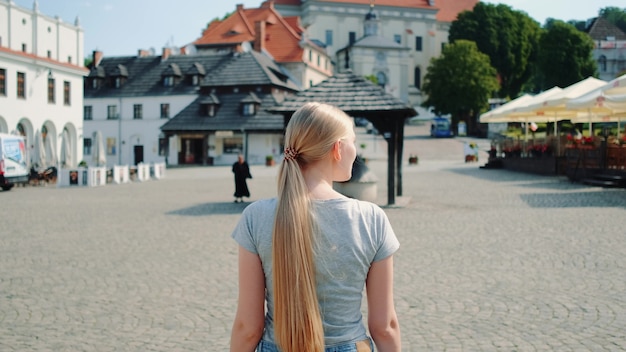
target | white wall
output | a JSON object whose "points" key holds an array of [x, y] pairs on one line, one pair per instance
{"points": [[131, 132], [22, 26]]}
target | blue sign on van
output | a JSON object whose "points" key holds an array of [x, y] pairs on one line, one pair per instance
{"points": [[440, 127]]}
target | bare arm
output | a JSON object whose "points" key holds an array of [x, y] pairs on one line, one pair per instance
{"points": [[250, 317], [382, 319]]}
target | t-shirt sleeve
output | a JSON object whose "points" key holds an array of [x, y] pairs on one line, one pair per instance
{"points": [[388, 242], [242, 233]]}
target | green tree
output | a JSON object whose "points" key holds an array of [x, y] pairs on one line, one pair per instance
{"points": [[615, 15], [565, 56], [460, 83], [508, 37]]}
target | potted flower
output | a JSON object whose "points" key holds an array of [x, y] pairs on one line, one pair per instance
{"points": [[269, 160], [413, 159]]}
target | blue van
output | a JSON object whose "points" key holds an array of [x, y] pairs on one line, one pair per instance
{"points": [[13, 165], [440, 127]]}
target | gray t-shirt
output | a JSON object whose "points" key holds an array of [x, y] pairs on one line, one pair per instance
{"points": [[352, 235]]}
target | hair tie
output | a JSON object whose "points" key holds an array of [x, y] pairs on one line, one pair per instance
{"points": [[290, 154]]}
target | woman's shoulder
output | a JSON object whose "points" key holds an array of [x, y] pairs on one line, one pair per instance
{"points": [[261, 207]]}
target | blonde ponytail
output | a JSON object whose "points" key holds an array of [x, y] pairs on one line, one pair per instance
{"points": [[310, 135]]}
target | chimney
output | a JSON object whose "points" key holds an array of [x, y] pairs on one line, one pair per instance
{"points": [[143, 53], [166, 53], [97, 57], [239, 7], [259, 37], [269, 4]]}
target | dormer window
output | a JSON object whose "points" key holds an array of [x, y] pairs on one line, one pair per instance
{"points": [[250, 104], [171, 75], [119, 76], [195, 74], [210, 110], [96, 78], [248, 109], [209, 105]]}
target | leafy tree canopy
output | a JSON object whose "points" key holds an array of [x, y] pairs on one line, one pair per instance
{"points": [[507, 36], [565, 55], [460, 81]]}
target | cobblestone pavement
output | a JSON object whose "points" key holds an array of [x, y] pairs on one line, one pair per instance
{"points": [[490, 260]]}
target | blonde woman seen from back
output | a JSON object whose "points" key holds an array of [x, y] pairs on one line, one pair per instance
{"points": [[308, 254]]}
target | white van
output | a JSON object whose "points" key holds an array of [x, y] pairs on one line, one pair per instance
{"points": [[13, 166]]}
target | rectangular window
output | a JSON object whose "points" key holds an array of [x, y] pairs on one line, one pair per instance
{"points": [[69, 59], [66, 93], [351, 37], [3, 82], [49, 54], [88, 112], [397, 38], [137, 111], [329, 37], [51, 90], [112, 112], [21, 85], [165, 111], [418, 43], [443, 46], [111, 146], [163, 146], [23, 48], [233, 145], [87, 146]]}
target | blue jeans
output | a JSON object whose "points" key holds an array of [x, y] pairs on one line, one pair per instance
{"points": [[265, 346]]}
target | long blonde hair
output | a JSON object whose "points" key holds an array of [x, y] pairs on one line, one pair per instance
{"points": [[309, 137]]}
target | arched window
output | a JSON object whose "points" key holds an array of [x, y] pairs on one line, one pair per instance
{"points": [[602, 63], [418, 78]]}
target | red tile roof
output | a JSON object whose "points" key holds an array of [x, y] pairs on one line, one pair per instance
{"points": [[448, 9], [55, 62], [282, 35]]}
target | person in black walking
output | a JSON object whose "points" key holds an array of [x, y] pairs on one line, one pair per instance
{"points": [[242, 173]]}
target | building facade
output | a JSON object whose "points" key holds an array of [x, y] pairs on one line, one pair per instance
{"points": [[41, 78], [421, 25], [185, 109], [609, 48], [264, 29]]}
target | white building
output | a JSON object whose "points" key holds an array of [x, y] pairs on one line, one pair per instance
{"points": [[185, 109], [609, 48], [41, 77], [420, 25]]}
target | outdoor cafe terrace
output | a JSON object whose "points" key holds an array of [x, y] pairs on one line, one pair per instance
{"points": [[595, 155]]}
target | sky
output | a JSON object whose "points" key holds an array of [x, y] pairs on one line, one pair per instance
{"points": [[122, 27]]}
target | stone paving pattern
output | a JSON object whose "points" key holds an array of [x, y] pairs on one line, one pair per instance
{"points": [[490, 260]]}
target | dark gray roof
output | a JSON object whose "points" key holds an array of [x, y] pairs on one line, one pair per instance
{"points": [[251, 98], [351, 93], [172, 70], [196, 69], [228, 116], [97, 72], [209, 99], [601, 28], [250, 68], [119, 70], [144, 74]]}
